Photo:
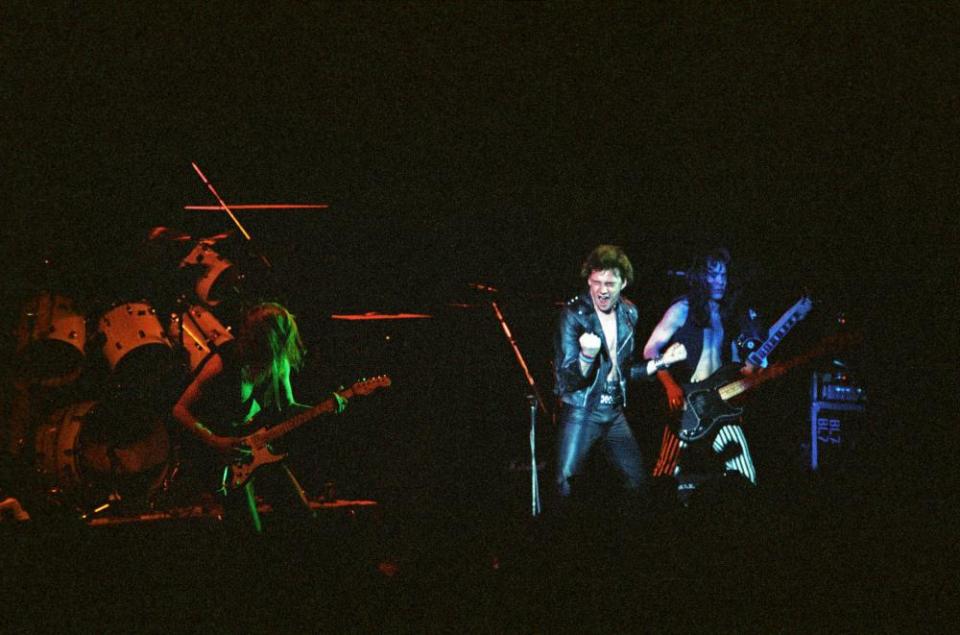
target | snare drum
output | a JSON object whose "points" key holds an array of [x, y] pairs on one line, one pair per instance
{"points": [[199, 333], [80, 457], [217, 272], [130, 327], [51, 338]]}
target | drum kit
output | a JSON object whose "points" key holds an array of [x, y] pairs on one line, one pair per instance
{"points": [[96, 381]]}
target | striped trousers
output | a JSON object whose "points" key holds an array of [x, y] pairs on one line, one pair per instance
{"points": [[729, 437]]}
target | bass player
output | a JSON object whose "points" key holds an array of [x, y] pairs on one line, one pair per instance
{"points": [[701, 321]]}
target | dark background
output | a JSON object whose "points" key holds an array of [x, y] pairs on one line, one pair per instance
{"points": [[499, 143]]}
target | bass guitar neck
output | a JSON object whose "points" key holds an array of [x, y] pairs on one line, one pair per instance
{"points": [[708, 401]]}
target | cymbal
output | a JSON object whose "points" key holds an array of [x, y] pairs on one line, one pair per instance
{"points": [[373, 315], [167, 233]]}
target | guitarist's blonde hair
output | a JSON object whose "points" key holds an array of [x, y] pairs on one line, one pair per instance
{"points": [[269, 346]]}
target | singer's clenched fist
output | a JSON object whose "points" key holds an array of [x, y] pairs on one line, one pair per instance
{"points": [[589, 344]]}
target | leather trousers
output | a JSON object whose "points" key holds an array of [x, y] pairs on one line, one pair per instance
{"points": [[581, 429]]}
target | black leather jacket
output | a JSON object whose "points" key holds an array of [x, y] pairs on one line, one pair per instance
{"points": [[579, 317]]}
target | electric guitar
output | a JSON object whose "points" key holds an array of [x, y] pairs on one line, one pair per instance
{"points": [[707, 399], [238, 471]]}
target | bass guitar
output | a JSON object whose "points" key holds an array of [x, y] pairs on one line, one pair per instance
{"points": [[238, 471], [780, 329], [706, 399]]}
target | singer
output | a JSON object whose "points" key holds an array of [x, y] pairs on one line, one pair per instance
{"points": [[594, 358]]}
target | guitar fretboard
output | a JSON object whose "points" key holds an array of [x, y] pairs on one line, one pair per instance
{"points": [[296, 421], [734, 388], [783, 326]]}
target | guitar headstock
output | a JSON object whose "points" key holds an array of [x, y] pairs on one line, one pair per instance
{"points": [[367, 386], [803, 306]]}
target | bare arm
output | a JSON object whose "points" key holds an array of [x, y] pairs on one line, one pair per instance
{"points": [[669, 324], [184, 409]]}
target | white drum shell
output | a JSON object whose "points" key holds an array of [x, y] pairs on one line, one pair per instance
{"points": [[128, 327], [214, 267], [199, 332]]}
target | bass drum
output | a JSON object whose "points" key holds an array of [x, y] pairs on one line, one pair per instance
{"points": [[85, 457], [51, 339]]}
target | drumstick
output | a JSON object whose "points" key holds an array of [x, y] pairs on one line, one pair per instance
{"points": [[220, 200], [185, 329]]}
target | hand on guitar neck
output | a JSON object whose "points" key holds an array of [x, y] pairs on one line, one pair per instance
{"points": [[755, 361]]}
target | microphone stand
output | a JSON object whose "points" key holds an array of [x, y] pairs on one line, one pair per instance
{"points": [[536, 401], [534, 483]]}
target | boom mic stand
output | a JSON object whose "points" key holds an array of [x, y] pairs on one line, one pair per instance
{"points": [[536, 401]]}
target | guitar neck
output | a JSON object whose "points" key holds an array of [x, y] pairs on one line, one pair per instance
{"points": [[779, 330], [291, 424], [734, 388]]}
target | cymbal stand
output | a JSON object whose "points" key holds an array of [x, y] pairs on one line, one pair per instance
{"points": [[229, 212]]}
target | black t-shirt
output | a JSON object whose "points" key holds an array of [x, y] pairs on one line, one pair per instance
{"points": [[221, 407]]}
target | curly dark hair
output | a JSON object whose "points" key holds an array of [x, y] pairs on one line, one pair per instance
{"points": [[608, 257]]}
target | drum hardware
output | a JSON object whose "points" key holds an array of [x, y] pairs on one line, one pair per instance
{"points": [[83, 458], [223, 206], [105, 505], [218, 272], [256, 206]]}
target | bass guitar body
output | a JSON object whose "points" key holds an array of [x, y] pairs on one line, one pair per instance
{"points": [[707, 400], [706, 408]]}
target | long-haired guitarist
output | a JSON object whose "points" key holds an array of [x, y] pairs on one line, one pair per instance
{"points": [[703, 321], [253, 376]]}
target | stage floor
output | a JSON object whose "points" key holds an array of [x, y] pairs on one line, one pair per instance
{"points": [[801, 563], [213, 511]]}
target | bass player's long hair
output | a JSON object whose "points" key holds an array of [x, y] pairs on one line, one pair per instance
{"points": [[699, 293]]}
